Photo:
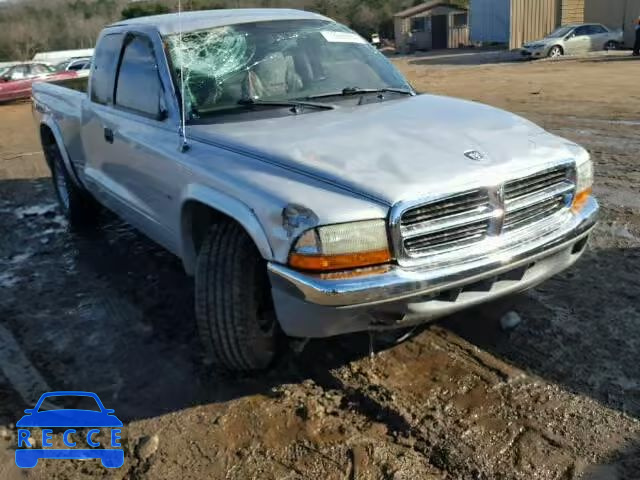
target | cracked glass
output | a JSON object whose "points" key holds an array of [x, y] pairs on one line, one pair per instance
{"points": [[226, 66]]}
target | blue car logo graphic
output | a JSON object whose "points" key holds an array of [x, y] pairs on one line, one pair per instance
{"points": [[70, 419]]}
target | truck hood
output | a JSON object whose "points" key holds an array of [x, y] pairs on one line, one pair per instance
{"points": [[396, 150]]}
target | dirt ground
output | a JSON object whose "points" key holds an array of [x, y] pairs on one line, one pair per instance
{"points": [[556, 397]]}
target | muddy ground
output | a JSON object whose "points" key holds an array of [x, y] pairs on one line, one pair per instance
{"points": [[558, 396]]}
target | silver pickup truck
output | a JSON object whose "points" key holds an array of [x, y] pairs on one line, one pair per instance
{"points": [[302, 180]]}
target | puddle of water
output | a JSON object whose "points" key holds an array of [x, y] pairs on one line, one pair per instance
{"points": [[21, 257], [35, 210], [8, 280]]}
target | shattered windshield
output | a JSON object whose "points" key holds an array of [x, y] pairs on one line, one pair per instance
{"points": [[274, 61]]}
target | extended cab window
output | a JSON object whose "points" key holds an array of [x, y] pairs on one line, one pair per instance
{"points": [[104, 66], [138, 86]]}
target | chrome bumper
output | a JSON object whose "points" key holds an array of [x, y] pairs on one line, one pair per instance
{"points": [[398, 283]]}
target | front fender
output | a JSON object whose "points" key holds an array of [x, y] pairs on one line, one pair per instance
{"points": [[227, 205]]}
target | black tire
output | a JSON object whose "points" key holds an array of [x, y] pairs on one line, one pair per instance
{"points": [[234, 309], [80, 209], [611, 45], [555, 51]]}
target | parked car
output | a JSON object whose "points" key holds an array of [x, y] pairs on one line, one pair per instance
{"points": [[82, 66], [74, 64], [307, 186], [16, 81], [55, 57], [573, 40]]}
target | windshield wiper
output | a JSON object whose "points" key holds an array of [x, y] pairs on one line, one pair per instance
{"points": [[295, 104], [348, 91]]}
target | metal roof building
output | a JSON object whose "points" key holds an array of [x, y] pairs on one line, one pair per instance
{"points": [[512, 22], [515, 22]]}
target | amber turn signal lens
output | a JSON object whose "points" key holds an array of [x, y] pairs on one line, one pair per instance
{"points": [[324, 263], [581, 200]]}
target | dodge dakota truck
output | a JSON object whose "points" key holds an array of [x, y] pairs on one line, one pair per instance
{"points": [[304, 183]]}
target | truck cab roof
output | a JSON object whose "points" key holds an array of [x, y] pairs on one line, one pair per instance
{"points": [[199, 20]]}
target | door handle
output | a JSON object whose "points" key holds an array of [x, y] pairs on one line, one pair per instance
{"points": [[108, 135]]}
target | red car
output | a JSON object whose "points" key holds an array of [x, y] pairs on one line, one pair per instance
{"points": [[16, 81]]}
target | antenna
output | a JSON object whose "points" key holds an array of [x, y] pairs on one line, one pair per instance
{"points": [[184, 145]]}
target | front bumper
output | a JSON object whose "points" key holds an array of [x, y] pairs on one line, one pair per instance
{"points": [[310, 305], [534, 52]]}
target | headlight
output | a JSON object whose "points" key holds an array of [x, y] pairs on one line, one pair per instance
{"points": [[343, 246], [536, 46], [584, 174], [584, 180]]}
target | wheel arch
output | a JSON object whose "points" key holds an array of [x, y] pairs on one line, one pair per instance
{"points": [[557, 45], [201, 207], [50, 135]]}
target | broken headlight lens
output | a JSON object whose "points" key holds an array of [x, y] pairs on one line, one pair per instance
{"points": [[342, 246]]}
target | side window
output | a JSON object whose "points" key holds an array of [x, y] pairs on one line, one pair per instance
{"points": [[104, 67], [19, 72], [138, 86], [419, 24], [39, 69], [580, 31], [596, 29], [460, 20]]}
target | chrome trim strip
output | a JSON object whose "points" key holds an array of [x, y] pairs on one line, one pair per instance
{"points": [[399, 283]]}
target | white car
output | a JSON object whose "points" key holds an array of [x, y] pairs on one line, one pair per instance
{"points": [[81, 66], [574, 40]]}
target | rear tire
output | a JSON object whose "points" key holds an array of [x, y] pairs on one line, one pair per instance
{"points": [[611, 45], [234, 309], [80, 209]]}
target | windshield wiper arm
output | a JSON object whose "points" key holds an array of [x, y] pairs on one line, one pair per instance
{"points": [[348, 91], [296, 104]]}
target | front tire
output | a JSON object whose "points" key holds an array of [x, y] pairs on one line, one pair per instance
{"points": [[80, 209], [556, 51], [234, 309]]}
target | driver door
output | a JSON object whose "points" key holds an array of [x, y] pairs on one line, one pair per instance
{"points": [[578, 42]]}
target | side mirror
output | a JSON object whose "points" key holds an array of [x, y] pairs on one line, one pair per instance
{"points": [[29, 410], [109, 411], [5, 78]]}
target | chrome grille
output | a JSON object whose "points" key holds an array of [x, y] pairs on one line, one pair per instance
{"points": [[535, 183], [458, 204], [533, 198], [465, 219], [455, 237], [449, 223]]}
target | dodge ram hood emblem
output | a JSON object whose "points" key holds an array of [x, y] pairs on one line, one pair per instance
{"points": [[475, 155]]}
